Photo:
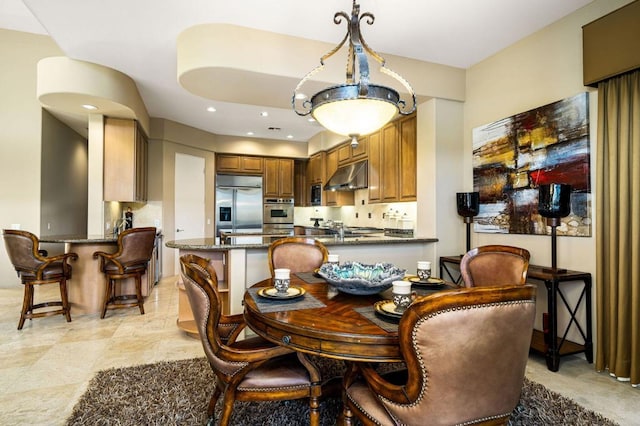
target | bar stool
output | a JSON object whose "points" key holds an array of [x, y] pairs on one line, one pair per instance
{"points": [[135, 247], [34, 269]]}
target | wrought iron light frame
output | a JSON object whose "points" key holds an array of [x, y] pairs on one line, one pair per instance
{"points": [[374, 96]]}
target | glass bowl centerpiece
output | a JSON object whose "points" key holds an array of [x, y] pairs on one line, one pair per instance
{"points": [[359, 278]]}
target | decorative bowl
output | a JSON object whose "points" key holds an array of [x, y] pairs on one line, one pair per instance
{"points": [[361, 279]]}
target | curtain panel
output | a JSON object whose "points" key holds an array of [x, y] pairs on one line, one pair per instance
{"points": [[618, 227]]}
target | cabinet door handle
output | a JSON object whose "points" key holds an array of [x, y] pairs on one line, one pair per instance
{"points": [[286, 339], [179, 230]]}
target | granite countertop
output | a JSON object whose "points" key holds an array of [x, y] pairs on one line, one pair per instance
{"points": [[79, 239], [265, 241]]}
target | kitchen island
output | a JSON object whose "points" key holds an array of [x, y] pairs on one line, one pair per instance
{"points": [[87, 284], [243, 261]]}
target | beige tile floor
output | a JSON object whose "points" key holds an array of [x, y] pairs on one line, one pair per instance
{"points": [[45, 368]]}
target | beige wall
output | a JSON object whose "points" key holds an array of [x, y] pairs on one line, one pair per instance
{"points": [[20, 147], [63, 198], [538, 70]]}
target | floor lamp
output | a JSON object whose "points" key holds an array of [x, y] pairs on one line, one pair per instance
{"points": [[468, 206], [554, 203]]}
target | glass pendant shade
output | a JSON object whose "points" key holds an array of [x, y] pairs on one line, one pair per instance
{"points": [[340, 110], [554, 200], [468, 203]]}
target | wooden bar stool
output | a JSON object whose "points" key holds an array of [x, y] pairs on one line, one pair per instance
{"points": [[135, 247], [34, 268]]}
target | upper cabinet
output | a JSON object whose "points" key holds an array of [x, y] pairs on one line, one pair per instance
{"points": [[392, 162], [348, 154], [408, 188], [278, 177], [239, 164], [300, 183], [125, 161], [316, 168]]}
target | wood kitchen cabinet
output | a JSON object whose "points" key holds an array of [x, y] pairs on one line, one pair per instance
{"points": [[408, 188], [278, 177], [348, 154], [392, 162], [125, 160], [316, 168], [300, 189], [335, 198], [239, 164]]}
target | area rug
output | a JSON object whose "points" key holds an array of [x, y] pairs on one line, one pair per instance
{"points": [[177, 393]]}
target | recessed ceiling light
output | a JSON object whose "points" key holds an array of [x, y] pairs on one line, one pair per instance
{"points": [[89, 107], [264, 114], [211, 109], [249, 133], [289, 136]]}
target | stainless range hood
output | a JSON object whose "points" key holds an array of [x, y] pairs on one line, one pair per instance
{"points": [[348, 178]]}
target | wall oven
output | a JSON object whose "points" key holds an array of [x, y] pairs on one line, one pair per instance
{"points": [[316, 194], [278, 215]]}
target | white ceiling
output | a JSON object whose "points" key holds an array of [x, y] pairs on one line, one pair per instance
{"points": [[138, 38]]}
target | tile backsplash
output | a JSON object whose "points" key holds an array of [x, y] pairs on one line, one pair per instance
{"points": [[361, 214]]}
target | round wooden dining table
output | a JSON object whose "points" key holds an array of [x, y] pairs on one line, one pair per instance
{"points": [[334, 330]]}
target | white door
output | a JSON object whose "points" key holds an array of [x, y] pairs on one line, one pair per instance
{"points": [[189, 199]]}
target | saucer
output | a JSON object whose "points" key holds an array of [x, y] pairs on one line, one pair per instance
{"points": [[387, 308], [272, 293], [430, 283]]}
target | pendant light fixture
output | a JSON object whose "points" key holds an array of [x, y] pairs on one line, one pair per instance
{"points": [[356, 108]]}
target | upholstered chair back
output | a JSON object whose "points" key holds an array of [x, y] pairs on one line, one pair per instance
{"points": [[297, 254], [466, 353], [494, 265], [201, 285], [135, 246]]}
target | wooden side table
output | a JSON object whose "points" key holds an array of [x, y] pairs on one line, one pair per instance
{"points": [[556, 345]]}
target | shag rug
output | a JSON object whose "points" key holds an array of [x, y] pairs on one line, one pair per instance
{"points": [[178, 392]]}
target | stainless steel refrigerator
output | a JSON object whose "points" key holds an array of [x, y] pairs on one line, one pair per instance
{"points": [[238, 204]]}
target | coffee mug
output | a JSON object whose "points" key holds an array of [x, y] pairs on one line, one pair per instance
{"points": [[281, 280], [402, 295], [424, 270]]}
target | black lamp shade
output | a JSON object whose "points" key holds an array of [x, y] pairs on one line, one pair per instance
{"points": [[468, 203], [554, 200]]}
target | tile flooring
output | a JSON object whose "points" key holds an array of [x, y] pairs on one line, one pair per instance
{"points": [[45, 368]]}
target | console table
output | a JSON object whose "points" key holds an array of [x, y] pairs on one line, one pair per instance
{"points": [[556, 346]]}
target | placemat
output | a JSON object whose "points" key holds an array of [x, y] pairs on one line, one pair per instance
{"points": [[309, 277], [273, 305], [369, 313]]}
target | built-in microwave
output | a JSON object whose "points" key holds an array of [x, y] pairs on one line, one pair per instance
{"points": [[316, 194]]}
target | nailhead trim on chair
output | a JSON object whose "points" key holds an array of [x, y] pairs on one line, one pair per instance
{"points": [[241, 365], [271, 389], [422, 367]]}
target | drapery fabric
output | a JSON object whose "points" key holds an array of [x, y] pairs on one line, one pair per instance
{"points": [[618, 227]]}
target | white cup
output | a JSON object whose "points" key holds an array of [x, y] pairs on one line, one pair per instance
{"points": [[424, 269], [333, 259], [402, 296], [281, 280]]}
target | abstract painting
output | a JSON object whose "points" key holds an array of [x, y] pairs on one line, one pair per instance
{"points": [[513, 156]]}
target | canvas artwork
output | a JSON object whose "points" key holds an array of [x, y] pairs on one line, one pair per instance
{"points": [[513, 156]]}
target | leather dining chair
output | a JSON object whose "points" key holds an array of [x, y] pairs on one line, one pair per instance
{"points": [[34, 269], [229, 326], [465, 350], [252, 369], [494, 265], [298, 254], [135, 247]]}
